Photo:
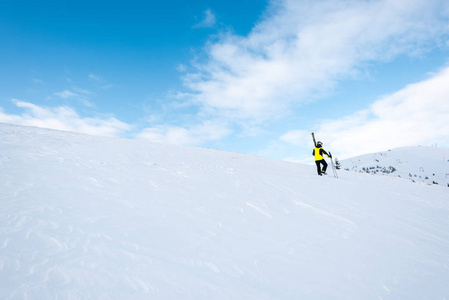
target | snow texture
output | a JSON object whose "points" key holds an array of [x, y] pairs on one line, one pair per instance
{"points": [[85, 217], [419, 164]]}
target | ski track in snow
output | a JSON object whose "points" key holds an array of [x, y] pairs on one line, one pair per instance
{"points": [[86, 217], [320, 211]]}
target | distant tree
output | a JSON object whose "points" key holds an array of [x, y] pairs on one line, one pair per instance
{"points": [[392, 169], [337, 164]]}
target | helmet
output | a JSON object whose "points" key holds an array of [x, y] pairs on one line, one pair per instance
{"points": [[319, 144]]}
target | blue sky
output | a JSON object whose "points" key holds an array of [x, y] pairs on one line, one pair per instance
{"points": [[248, 76]]}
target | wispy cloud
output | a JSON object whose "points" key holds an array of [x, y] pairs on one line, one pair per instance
{"points": [[66, 94], [37, 80], [304, 48], [208, 20], [94, 77], [100, 81], [78, 94], [63, 118], [67, 119]]}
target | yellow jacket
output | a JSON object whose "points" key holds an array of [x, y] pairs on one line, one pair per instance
{"points": [[318, 152]]}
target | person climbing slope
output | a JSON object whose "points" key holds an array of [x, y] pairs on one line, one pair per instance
{"points": [[319, 153]]}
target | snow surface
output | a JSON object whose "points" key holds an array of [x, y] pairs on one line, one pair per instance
{"points": [[85, 217], [419, 164]]}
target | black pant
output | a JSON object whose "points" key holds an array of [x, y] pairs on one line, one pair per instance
{"points": [[318, 166]]}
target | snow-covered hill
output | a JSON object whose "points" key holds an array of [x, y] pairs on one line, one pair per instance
{"points": [[85, 217], [419, 164]]}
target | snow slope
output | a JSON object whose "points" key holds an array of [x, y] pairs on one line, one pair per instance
{"points": [[85, 217], [420, 164]]}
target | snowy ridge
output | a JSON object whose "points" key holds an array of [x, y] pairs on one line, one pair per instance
{"points": [[419, 164], [85, 217]]}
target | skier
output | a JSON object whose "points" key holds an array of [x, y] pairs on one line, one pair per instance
{"points": [[318, 152]]}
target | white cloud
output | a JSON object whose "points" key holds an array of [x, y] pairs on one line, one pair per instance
{"points": [[415, 115], [208, 20], [100, 82], [192, 136], [78, 94], [181, 68], [94, 77], [63, 118], [303, 48], [66, 94], [37, 80], [295, 137], [170, 135]]}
